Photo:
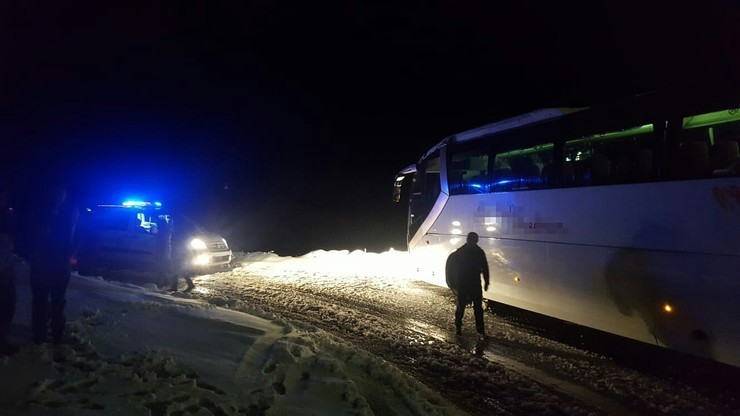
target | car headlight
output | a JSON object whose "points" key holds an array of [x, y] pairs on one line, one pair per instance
{"points": [[197, 244], [201, 259]]}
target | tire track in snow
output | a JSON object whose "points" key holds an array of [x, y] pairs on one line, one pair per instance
{"points": [[606, 405], [525, 373]]}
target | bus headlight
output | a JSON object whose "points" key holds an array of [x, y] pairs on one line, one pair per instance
{"points": [[197, 244], [201, 259]]}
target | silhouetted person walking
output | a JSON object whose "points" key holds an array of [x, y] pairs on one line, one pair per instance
{"points": [[52, 247], [464, 269]]}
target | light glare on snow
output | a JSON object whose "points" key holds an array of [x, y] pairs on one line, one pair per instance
{"points": [[337, 265]]}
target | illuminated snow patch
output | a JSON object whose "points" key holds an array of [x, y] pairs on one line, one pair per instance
{"points": [[340, 265]]}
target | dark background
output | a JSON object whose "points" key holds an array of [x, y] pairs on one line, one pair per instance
{"points": [[282, 124]]}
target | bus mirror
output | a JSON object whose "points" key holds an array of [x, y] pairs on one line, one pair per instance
{"points": [[396, 194], [397, 188], [404, 175]]}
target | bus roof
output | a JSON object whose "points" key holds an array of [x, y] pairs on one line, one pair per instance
{"points": [[508, 124], [514, 122]]}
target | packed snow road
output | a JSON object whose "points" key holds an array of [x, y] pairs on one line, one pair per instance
{"points": [[365, 299]]}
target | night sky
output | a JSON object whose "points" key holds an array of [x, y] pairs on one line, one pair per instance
{"points": [[282, 124]]}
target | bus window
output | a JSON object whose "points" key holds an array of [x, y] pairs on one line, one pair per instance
{"points": [[522, 169], [474, 171], [622, 156], [708, 146], [468, 172]]}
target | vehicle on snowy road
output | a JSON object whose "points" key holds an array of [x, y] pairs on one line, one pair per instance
{"points": [[126, 237], [623, 217]]}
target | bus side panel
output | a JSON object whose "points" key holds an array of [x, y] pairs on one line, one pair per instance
{"points": [[653, 262]]}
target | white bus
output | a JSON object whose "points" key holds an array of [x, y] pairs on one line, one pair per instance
{"points": [[623, 217]]}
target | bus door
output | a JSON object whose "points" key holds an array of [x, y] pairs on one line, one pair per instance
{"points": [[425, 189], [402, 185]]}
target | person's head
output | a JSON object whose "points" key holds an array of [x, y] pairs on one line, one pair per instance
{"points": [[51, 194], [57, 194], [472, 238]]}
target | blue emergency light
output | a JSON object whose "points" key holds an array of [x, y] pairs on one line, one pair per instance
{"points": [[140, 204]]}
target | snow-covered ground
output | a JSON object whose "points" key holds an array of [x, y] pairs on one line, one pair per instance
{"points": [[137, 351], [327, 333]]}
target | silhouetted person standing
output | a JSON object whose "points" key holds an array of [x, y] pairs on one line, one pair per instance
{"points": [[52, 247], [180, 261], [465, 266], [163, 234], [7, 270]]}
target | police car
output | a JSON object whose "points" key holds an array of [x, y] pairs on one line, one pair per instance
{"points": [[128, 236]]}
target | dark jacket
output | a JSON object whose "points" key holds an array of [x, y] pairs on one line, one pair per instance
{"points": [[164, 245], [7, 254], [464, 269], [54, 243]]}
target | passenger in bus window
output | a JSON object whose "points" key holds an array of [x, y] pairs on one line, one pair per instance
{"points": [[467, 264], [725, 158]]}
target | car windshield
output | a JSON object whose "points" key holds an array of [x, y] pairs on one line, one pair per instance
{"points": [[186, 225], [119, 219]]}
